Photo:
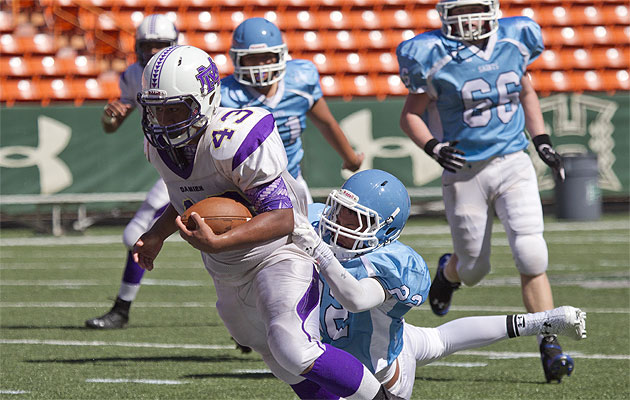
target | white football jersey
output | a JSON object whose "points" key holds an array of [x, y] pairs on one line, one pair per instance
{"points": [[240, 150]]}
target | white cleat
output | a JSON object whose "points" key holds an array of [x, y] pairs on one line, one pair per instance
{"points": [[567, 321]]}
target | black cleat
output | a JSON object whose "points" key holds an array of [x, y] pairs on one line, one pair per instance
{"points": [[116, 318], [555, 363], [243, 349], [441, 292]]}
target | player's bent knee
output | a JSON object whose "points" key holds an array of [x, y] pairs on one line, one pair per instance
{"points": [[473, 270], [530, 254], [292, 350]]}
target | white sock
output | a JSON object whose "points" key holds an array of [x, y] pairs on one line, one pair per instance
{"points": [[128, 292]]}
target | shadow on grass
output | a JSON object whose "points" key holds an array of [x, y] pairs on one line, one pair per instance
{"points": [[195, 359]]}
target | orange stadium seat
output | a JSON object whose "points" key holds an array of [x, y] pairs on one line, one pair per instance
{"points": [[549, 59], [425, 19], [616, 14], [333, 85], [40, 43], [383, 61], [611, 57], [300, 41], [611, 35], [326, 63], [314, 40], [12, 90], [6, 22], [204, 21], [299, 19], [550, 81], [216, 42]]}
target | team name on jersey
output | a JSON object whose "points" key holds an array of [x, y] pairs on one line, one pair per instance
{"points": [[196, 188], [488, 67]]}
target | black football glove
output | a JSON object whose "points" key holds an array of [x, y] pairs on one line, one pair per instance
{"points": [[445, 154], [549, 156]]}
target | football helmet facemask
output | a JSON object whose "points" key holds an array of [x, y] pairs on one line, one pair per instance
{"points": [[381, 205], [154, 30], [183, 80], [258, 36], [469, 26]]}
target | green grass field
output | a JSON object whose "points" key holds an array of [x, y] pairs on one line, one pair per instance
{"points": [[177, 348]]}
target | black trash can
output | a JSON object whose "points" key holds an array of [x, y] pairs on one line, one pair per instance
{"points": [[579, 196]]}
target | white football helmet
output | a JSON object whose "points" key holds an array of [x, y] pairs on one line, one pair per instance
{"points": [[179, 75], [154, 28], [472, 26], [256, 36]]}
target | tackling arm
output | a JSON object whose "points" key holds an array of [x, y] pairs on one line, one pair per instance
{"points": [[354, 295]]}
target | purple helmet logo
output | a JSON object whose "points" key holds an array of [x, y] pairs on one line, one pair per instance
{"points": [[208, 77]]}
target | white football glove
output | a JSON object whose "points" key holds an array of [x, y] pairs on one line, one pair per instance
{"points": [[305, 237]]}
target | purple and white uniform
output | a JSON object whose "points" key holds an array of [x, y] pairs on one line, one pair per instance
{"points": [[268, 295]]}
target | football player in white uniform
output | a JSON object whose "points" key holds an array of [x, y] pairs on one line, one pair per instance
{"points": [[154, 33], [264, 77], [267, 288], [471, 78], [371, 280]]}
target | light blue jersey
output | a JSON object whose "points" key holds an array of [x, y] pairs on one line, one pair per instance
{"points": [[477, 91], [297, 93], [375, 336]]}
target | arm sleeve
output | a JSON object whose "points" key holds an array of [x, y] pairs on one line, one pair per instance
{"points": [[354, 295], [531, 36], [410, 70], [128, 87]]}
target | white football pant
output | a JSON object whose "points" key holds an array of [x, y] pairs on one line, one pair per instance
{"points": [[506, 185], [277, 315]]}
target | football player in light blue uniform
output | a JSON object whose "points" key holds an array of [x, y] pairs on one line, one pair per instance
{"points": [[289, 89], [471, 78], [370, 281]]}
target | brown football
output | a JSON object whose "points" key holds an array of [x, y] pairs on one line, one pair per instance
{"points": [[219, 213]]}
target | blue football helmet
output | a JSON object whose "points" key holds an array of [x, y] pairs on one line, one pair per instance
{"points": [[258, 36], [176, 78], [469, 26], [382, 205]]}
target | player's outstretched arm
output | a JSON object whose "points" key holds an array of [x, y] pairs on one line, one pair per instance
{"points": [[354, 295], [263, 227], [150, 243], [323, 119]]}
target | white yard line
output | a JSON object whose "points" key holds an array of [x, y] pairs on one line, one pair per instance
{"points": [[550, 226], [193, 304], [62, 304], [50, 342], [147, 381], [479, 353]]}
